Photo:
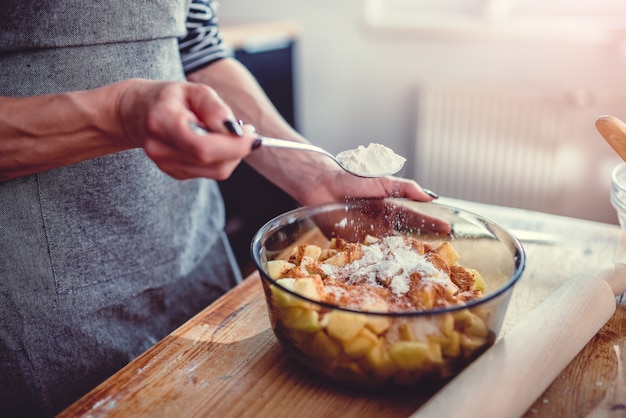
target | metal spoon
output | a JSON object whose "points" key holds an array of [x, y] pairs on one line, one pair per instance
{"points": [[283, 143], [301, 146]]}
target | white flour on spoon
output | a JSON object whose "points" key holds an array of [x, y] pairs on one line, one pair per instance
{"points": [[373, 160]]}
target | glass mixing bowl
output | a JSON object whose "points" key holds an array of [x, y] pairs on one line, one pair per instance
{"points": [[375, 347]]}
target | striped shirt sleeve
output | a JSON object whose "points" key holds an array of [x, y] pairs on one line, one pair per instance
{"points": [[202, 44]]}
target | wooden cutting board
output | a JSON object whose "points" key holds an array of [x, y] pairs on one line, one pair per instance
{"points": [[226, 362]]}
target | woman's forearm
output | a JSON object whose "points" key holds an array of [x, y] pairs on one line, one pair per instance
{"points": [[44, 132], [289, 170]]}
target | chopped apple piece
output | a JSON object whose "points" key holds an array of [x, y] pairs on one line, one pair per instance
{"points": [[445, 329], [405, 332], [447, 324], [471, 324], [344, 326], [448, 253], [280, 298], [370, 239], [415, 355], [379, 361], [327, 253], [300, 319], [309, 287], [477, 328], [324, 347], [339, 259], [470, 344], [312, 251], [426, 297], [377, 324], [305, 250], [310, 266], [364, 342], [452, 346], [409, 355], [278, 268], [479, 281]]}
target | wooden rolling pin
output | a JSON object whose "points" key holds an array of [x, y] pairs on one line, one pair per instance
{"points": [[506, 379], [613, 130]]}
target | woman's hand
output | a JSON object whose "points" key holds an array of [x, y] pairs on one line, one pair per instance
{"points": [[336, 186], [379, 215], [44, 132], [185, 128]]}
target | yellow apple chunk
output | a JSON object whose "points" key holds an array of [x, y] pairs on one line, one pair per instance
{"points": [[447, 324], [448, 253], [344, 326], [309, 287], [364, 342], [278, 268], [324, 347], [300, 319], [379, 361], [452, 346], [471, 324], [479, 281], [280, 298], [415, 355], [377, 324], [312, 251], [405, 332], [339, 259], [470, 344]]}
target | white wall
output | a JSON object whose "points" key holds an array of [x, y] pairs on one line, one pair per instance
{"points": [[355, 84]]}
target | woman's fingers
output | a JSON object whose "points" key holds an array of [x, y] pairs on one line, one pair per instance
{"points": [[406, 188], [186, 129], [380, 217]]}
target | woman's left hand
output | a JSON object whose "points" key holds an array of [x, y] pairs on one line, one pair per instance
{"points": [[336, 186], [384, 214]]}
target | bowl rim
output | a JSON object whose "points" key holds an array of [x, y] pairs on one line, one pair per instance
{"points": [[617, 186], [288, 217]]}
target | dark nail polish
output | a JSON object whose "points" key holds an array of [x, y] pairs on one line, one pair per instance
{"points": [[257, 143], [240, 122], [233, 127], [431, 193]]}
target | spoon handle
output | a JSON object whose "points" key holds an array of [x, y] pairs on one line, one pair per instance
{"points": [[283, 143], [301, 146]]}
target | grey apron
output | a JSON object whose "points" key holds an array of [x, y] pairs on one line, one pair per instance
{"points": [[101, 259]]}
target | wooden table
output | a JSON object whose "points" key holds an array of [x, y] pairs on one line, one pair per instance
{"points": [[225, 362]]}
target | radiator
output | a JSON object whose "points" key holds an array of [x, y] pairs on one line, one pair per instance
{"points": [[520, 147]]}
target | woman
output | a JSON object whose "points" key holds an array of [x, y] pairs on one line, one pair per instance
{"points": [[110, 218]]}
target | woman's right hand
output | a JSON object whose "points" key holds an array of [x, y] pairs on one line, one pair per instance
{"points": [[163, 119], [44, 132]]}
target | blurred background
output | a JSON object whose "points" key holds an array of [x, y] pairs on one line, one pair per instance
{"points": [[490, 100]]}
